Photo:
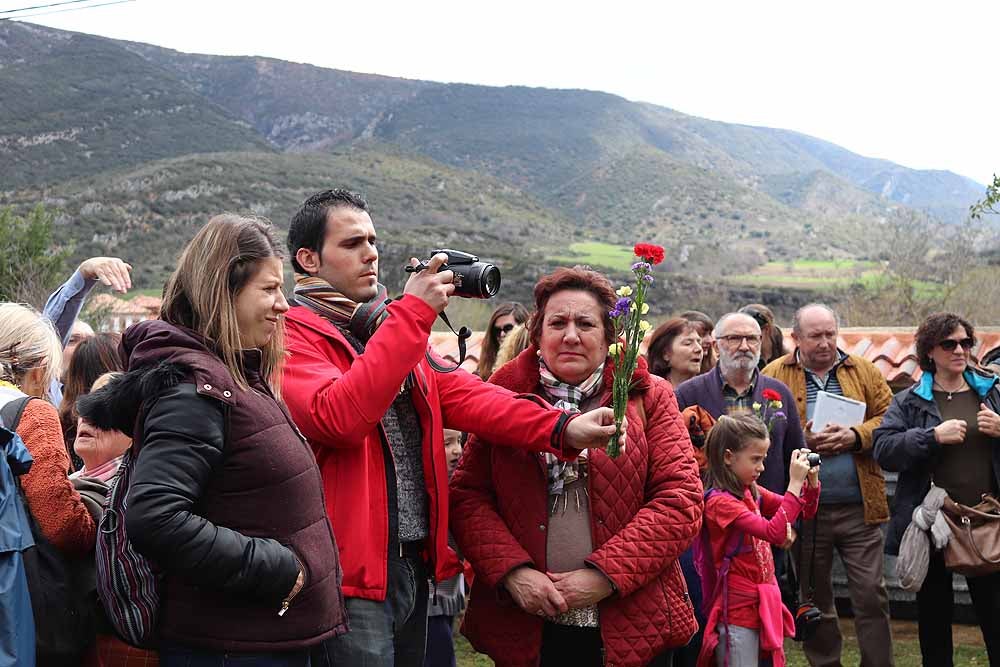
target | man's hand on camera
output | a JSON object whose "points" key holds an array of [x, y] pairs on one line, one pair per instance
{"points": [[593, 430], [433, 287]]}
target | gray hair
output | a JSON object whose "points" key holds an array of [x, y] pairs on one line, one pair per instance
{"points": [[717, 331], [797, 319]]}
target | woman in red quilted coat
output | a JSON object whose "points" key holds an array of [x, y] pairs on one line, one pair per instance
{"points": [[576, 562]]}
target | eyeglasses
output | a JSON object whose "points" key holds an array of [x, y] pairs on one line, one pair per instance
{"points": [[507, 328], [752, 340], [950, 344]]}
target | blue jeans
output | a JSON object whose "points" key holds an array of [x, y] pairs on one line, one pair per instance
{"points": [[174, 655], [390, 633]]}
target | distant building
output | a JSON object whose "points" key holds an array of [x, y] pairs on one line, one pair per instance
{"points": [[106, 312]]}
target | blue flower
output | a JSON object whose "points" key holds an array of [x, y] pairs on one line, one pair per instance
{"points": [[622, 306]]}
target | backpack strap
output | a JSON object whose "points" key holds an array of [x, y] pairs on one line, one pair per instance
{"points": [[12, 411]]}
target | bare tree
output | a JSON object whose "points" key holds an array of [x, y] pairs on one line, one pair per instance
{"points": [[927, 267]]}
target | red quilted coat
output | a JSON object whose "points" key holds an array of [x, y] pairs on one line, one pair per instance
{"points": [[646, 508]]}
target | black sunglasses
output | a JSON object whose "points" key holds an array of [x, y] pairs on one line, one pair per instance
{"points": [[950, 344], [507, 328]]}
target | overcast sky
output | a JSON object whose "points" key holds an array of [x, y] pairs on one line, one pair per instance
{"points": [[913, 82]]}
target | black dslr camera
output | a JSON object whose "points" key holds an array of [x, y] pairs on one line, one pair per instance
{"points": [[813, 459], [473, 279]]}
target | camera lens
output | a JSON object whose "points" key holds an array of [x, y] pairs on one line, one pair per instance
{"points": [[490, 281], [813, 459]]}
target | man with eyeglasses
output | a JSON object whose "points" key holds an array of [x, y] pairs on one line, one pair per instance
{"points": [[735, 385], [853, 501]]}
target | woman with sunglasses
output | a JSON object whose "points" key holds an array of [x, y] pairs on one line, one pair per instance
{"points": [[502, 322], [944, 430]]}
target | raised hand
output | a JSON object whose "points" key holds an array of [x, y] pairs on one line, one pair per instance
{"points": [[430, 286], [111, 271]]}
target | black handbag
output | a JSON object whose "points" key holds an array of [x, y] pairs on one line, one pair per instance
{"points": [[61, 599]]}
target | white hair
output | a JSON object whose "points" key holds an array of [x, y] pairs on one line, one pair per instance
{"points": [[717, 331], [27, 341]]}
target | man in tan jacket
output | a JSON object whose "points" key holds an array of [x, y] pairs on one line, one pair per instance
{"points": [[852, 502]]}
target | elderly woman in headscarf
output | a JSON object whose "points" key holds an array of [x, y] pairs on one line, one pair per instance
{"points": [[577, 561]]}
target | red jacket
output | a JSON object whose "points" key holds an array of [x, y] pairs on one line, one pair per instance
{"points": [[646, 509], [337, 398]]}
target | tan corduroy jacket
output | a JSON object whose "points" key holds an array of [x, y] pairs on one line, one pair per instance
{"points": [[860, 380]]}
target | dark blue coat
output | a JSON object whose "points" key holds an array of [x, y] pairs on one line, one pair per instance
{"points": [[17, 625], [786, 435], [905, 443]]}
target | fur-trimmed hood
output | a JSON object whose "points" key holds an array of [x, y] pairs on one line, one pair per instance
{"points": [[116, 405], [158, 356]]}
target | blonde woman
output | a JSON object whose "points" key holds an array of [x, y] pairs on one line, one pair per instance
{"points": [[225, 496], [30, 359], [516, 342]]}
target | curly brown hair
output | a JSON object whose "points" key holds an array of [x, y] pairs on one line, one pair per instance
{"points": [[580, 278], [935, 329]]}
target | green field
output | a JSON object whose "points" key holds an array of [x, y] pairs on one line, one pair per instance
{"points": [[598, 255], [809, 273]]}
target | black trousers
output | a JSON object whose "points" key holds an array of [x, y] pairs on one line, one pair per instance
{"points": [[580, 647], [935, 604]]}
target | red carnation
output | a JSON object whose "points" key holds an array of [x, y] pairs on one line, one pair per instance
{"points": [[771, 395], [651, 253]]}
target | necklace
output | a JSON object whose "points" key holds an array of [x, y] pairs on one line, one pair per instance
{"points": [[951, 392]]}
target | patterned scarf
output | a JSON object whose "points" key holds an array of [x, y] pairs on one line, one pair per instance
{"points": [[567, 397], [360, 320]]}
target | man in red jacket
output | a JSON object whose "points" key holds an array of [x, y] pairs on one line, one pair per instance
{"points": [[358, 384]]}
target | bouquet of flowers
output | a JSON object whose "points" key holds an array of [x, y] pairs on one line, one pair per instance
{"points": [[630, 329], [770, 411]]}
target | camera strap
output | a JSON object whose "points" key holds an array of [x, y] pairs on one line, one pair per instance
{"points": [[463, 336], [812, 559]]}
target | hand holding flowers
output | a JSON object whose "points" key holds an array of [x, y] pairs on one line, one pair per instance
{"points": [[630, 329]]}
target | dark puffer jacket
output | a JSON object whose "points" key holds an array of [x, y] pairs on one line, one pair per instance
{"points": [[905, 443], [646, 509], [226, 497]]}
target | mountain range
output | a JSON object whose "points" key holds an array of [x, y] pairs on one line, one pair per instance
{"points": [[135, 145]]}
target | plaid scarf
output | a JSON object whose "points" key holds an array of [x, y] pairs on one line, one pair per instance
{"points": [[567, 397], [358, 320]]}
